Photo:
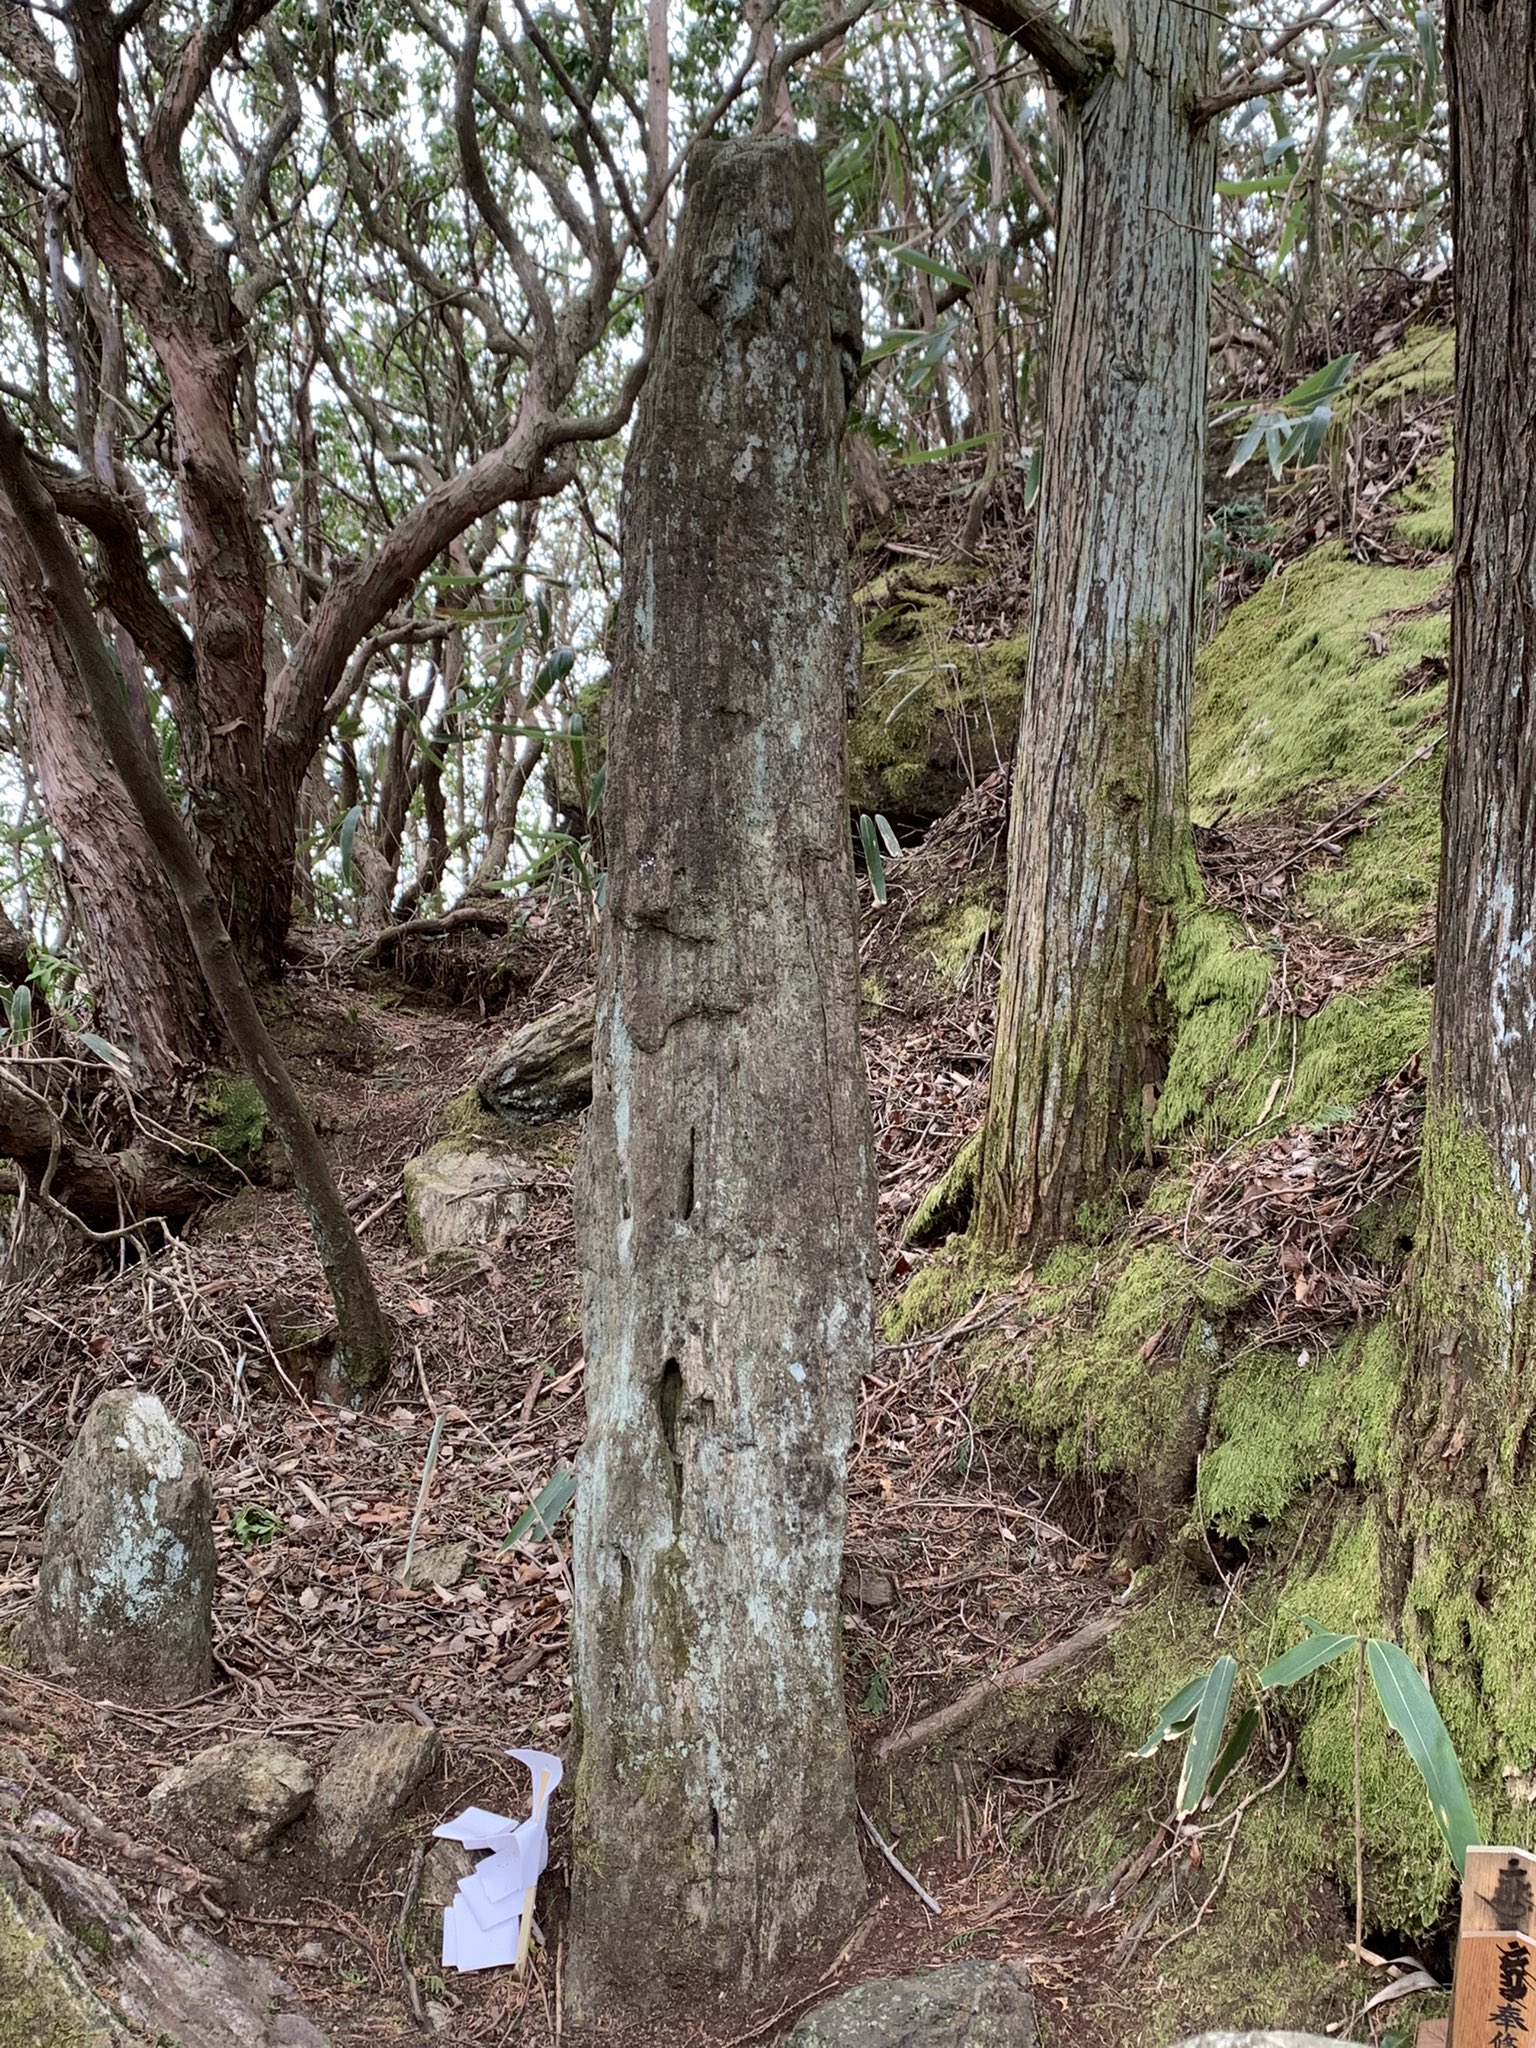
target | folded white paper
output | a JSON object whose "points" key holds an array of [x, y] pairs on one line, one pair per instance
{"points": [[491, 1918]]}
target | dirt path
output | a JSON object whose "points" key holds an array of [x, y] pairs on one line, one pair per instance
{"points": [[957, 1568]]}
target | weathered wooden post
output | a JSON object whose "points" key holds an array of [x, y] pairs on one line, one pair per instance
{"points": [[726, 1200]]}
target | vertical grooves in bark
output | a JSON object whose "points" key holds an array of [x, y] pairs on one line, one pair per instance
{"points": [[1471, 1301], [1096, 841], [149, 992], [726, 1211]]}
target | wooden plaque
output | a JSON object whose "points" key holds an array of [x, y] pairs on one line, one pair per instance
{"points": [[1494, 2002]]}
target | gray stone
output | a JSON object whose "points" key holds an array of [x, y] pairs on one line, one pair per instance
{"points": [[245, 1792], [77, 1966], [445, 1864], [458, 1194], [125, 1590], [863, 1586], [444, 1564], [544, 1071], [1262, 2040], [367, 1784], [965, 2005]]}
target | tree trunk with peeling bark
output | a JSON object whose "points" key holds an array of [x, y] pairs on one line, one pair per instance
{"points": [[1470, 1302], [1098, 836], [726, 1211], [149, 996], [361, 1356]]}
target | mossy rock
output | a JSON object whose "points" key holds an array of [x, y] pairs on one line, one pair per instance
{"points": [[236, 1116], [1422, 366], [1299, 698], [45, 1999], [459, 1195], [936, 714], [1317, 689]]}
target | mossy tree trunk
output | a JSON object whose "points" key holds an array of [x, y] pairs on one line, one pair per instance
{"points": [[1099, 821], [726, 1205], [1471, 1313]]}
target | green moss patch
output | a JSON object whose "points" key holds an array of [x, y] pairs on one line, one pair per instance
{"points": [[1237, 1070], [1425, 514], [1298, 699], [1422, 366], [236, 1114], [936, 714]]}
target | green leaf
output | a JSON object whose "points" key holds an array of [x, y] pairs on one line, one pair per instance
{"points": [[1305, 1657], [1176, 1716], [1429, 49], [1291, 446], [1295, 220], [895, 168], [19, 1010], [1322, 383], [931, 267], [872, 860], [554, 668], [1237, 1747], [950, 448], [1245, 447], [349, 825], [576, 732], [109, 1054], [899, 339], [1205, 1736], [1247, 188], [549, 1504], [892, 843], [1033, 474], [1406, 1702]]}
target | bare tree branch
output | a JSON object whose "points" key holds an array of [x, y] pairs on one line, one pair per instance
{"points": [[1072, 65]]}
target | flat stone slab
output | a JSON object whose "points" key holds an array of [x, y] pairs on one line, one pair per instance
{"points": [[444, 1564], [965, 2005], [371, 1777], [459, 1195]]}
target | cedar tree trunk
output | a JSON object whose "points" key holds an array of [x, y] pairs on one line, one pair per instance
{"points": [[1098, 830], [1470, 1310], [726, 1211]]}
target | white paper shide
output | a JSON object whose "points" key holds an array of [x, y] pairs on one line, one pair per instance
{"points": [[491, 1918]]}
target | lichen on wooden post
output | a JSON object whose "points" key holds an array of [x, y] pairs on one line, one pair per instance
{"points": [[726, 1188]]}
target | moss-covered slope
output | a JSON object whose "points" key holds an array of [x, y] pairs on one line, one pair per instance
{"points": [[1258, 1477]]}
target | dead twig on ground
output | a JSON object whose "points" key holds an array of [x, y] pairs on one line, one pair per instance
{"points": [[1017, 1678], [897, 1865]]}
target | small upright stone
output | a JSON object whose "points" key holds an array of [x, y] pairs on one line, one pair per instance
{"points": [[367, 1784], [125, 1590]]}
